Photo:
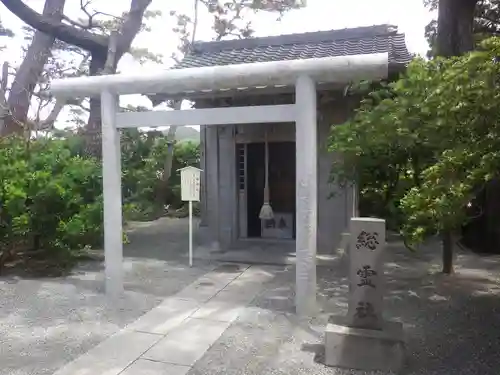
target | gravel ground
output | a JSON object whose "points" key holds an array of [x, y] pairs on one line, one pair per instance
{"points": [[45, 323], [452, 322]]}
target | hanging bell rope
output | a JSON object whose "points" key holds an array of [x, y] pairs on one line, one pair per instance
{"points": [[266, 211]]}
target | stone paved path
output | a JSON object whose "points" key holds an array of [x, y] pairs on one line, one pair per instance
{"points": [[170, 338]]}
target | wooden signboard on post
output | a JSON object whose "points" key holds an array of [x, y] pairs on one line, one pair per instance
{"points": [[190, 192]]}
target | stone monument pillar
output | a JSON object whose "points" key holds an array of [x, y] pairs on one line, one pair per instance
{"points": [[363, 339], [367, 243]]}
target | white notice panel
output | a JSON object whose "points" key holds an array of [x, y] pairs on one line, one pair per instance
{"points": [[190, 184], [190, 191]]}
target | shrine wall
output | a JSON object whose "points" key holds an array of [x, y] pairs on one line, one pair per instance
{"points": [[335, 204]]}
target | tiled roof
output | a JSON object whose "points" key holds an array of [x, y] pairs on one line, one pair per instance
{"points": [[356, 41]]}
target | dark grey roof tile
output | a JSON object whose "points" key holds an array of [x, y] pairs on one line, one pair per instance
{"points": [[357, 41]]}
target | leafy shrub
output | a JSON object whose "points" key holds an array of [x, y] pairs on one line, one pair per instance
{"points": [[50, 198], [143, 162], [51, 193], [427, 143]]}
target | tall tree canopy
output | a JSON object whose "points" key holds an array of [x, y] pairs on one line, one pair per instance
{"points": [[412, 146], [425, 145]]}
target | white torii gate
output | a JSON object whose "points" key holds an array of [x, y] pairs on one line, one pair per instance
{"points": [[303, 74]]}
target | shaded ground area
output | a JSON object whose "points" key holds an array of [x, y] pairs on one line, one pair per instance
{"points": [[452, 322], [45, 323]]}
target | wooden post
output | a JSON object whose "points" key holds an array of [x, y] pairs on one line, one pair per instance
{"points": [[190, 233]]}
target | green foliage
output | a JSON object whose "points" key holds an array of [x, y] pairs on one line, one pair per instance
{"points": [[48, 196], [143, 162], [51, 194], [423, 146]]}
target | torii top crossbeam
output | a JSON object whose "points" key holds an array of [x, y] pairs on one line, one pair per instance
{"points": [[340, 69]]}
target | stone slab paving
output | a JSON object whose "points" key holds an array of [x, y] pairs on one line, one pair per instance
{"points": [[168, 315], [110, 356], [186, 344], [147, 367], [170, 338]]}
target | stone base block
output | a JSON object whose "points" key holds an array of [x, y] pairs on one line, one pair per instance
{"points": [[364, 349]]}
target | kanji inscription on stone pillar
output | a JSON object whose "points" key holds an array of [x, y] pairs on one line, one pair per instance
{"points": [[366, 287]]}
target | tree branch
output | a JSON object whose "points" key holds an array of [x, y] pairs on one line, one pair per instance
{"points": [[4, 109], [75, 23], [48, 123], [30, 70], [111, 60], [131, 26], [195, 21], [5, 76], [83, 7], [97, 44]]}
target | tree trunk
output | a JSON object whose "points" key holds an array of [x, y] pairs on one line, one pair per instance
{"points": [[107, 65], [455, 34], [97, 45], [4, 109], [92, 132], [162, 189], [29, 72], [447, 241]]}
